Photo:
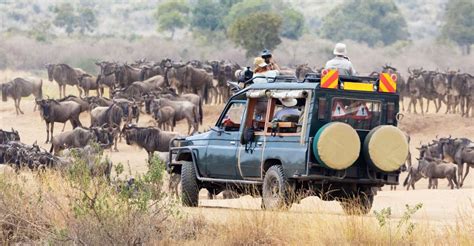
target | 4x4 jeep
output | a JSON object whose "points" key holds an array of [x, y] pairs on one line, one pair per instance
{"points": [[337, 140]]}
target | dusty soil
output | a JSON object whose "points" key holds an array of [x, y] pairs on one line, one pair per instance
{"points": [[440, 206]]}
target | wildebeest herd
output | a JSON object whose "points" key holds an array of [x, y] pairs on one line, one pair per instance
{"points": [[173, 91]]}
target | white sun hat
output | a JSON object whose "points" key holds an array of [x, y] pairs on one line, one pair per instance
{"points": [[340, 49], [289, 102]]}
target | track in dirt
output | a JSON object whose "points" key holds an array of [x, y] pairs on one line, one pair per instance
{"points": [[441, 205]]}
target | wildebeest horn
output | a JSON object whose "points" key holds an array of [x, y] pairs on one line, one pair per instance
{"points": [[436, 136], [449, 136]]}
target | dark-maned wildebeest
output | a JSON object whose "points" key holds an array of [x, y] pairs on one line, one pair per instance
{"points": [[88, 82], [64, 75], [106, 77], [54, 111], [183, 110], [460, 151], [6, 136], [149, 138], [165, 117], [20, 87], [78, 138], [130, 109], [435, 169], [190, 97], [126, 75]]}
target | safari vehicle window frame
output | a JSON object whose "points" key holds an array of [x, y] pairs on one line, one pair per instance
{"points": [[380, 102], [227, 107], [270, 114]]}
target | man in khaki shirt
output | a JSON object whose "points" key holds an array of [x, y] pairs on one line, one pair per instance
{"points": [[341, 61]]}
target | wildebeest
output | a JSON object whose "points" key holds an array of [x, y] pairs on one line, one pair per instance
{"points": [[434, 169], [461, 151], [106, 77], [126, 75], [149, 138], [54, 111], [64, 75], [99, 101], [20, 87], [6, 136], [110, 116], [190, 97], [183, 110], [130, 109], [165, 117], [78, 138], [186, 78], [88, 82], [416, 87], [302, 70]]}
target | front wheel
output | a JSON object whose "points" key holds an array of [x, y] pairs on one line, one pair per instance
{"points": [[276, 191], [358, 204], [189, 185]]}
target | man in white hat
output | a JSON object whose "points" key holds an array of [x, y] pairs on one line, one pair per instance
{"points": [[289, 110], [341, 62]]}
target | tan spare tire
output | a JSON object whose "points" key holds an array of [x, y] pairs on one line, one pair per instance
{"points": [[336, 145], [386, 148]]}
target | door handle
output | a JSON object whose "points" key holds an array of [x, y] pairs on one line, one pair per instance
{"points": [[232, 142]]}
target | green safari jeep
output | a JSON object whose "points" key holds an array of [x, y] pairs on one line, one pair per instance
{"points": [[285, 140]]}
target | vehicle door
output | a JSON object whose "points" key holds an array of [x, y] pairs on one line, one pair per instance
{"points": [[221, 155]]}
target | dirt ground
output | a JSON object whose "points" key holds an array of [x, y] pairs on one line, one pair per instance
{"points": [[441, 206]]}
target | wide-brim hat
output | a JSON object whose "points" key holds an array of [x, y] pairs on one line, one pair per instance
{"points": [[289, 102], [259, 62], [340, 49]]}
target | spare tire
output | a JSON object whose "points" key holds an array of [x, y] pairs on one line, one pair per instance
{"points": [[336, 145], [386, 148]]}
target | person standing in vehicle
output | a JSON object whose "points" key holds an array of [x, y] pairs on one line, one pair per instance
{"points": [[267, 56], [341, 61]]}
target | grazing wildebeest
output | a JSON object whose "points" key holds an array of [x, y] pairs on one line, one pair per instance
{"points": [[20, 87], [183, 110], [6, 136], [54, 111], [149, 138], [138, 88], [78, 138], [461, 151], [64, 75], [88, 82], [416, 87], [165, 117]]}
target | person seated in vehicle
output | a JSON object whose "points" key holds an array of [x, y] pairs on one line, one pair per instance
{"points": [[289, 112], [267, 56], [341, 62]]}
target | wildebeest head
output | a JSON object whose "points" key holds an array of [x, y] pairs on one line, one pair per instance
{"points": [[130, 132], [6, 91], [45, 106], [50, 68], [102, 136], [107, 68]]}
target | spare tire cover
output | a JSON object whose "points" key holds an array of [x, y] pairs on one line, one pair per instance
{"points": [[386, 147], [336, 145]]}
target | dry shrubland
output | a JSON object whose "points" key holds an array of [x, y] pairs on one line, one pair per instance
{"points": [[23, 53], [74, 208]]}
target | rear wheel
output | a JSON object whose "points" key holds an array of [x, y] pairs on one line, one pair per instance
{"points": [[189, 185], [276, 191], [359, 204]]}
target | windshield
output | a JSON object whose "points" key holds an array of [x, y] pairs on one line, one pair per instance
{"points": [[359, 113]]}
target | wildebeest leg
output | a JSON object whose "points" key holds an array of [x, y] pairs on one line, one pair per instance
{"points": [[80, 90], [421, 105], [52, 129], [439, 104], [150, 157], [19, 109], [64, 126], [427, 106], [465, 175], [460, 171], [189, 126], [60, 90]]}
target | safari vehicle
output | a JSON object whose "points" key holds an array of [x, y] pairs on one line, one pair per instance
{"points": [[341, 145]]}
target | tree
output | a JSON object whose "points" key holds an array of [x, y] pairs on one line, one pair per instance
{"points": [[172, 15], [292, 20], [256, 32], [369, 21], [65, 17], [207, 15], [459, 24]]}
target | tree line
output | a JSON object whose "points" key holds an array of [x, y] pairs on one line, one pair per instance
{"points": [[257, 24]]}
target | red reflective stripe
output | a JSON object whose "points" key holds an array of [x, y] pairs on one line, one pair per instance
{"points": [[331, 79], [386, 83]]}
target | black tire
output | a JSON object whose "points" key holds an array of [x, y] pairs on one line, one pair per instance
{"points": [[358, 205], [276, 191], [189, 185]]}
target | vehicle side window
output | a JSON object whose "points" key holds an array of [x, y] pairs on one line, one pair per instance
{"points": [[287, 118], [233, 117]]}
